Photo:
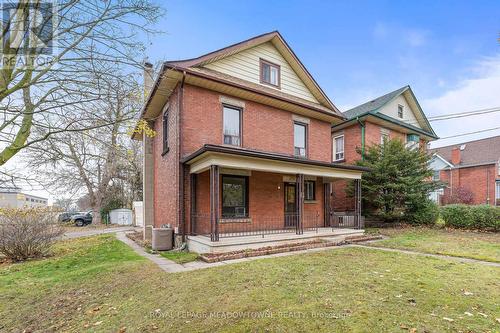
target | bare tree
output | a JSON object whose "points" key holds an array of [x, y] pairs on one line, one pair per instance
{"points": [[46, 94], [90, 161]]}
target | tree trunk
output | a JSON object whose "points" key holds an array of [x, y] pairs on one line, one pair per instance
{"points": [[96, 211]]}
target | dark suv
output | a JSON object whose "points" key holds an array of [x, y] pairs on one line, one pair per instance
{"points": [[82, 219]]}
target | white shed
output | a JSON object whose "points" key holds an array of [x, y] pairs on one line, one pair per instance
{"points": [[121, 216], [137, 208]]}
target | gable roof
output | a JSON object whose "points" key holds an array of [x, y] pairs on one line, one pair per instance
{"points": [[283, 48], [477, 152], [373, 107]]}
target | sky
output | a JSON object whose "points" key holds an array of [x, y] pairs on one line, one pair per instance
{"points": [[447, 51]]}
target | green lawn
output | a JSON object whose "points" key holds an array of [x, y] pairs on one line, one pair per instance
{"points": [[97, 284], [179, 257], [482, 246]]}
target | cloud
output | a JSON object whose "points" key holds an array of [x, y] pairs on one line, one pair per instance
{"points": [[479, 91], [415, 37], [409, 36]]}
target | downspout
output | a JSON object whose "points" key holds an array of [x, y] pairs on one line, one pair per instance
{"points": [[182, 222], [362, 125]]}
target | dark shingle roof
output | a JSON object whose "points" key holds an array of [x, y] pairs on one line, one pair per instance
{"points": [[475, 152], [374, 104]]}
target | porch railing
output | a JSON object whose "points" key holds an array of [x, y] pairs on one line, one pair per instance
{"points": [[268, 225]]}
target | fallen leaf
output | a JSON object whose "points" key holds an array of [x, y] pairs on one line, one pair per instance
{"points": [[468, 314], [448, 319], [482, 314], [97, 323]]}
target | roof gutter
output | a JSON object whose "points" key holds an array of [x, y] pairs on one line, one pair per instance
{"points": [[182, 214], [250, 89]]}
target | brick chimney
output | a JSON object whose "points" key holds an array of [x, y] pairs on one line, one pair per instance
{"points": [[148, 78], [455, 156]]}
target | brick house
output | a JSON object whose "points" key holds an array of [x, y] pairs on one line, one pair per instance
{"points": [[243, 150], [472, 166], [395, 115]]}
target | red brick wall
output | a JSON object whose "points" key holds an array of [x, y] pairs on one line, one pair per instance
{"points": [[166, 167], [266, 203], [352, 141], [264, 128], [479, 180]]}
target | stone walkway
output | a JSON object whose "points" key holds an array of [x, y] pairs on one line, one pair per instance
{"points": [[440, 256], [170, 266], [93, 232]]}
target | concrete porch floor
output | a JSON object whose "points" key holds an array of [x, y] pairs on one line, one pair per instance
{"points": [[202, 244]]}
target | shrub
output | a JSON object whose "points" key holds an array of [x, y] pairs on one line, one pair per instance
{"points": [[27, 233], [461, 216], [461, 195], [425, 212]]}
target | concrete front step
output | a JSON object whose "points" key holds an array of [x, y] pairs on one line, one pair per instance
{"points": [[201, 244]]}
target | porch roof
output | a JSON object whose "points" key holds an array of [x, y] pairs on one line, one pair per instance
{"points": [[246, 159]]}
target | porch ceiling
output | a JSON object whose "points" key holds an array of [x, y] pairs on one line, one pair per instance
{"points": [[238, 158]]}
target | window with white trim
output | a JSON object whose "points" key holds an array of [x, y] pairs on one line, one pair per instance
{"points": [[436, 174], [497, 193], [338, 148], [300, 139], [400, 111], [309, 190], [232, 125], [412, 141], [384, 135]]}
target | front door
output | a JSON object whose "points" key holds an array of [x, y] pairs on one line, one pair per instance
{"points": [[290, 206]]}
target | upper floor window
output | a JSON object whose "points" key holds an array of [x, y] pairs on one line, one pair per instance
{"points": [[269, 73], [400, 111], [412, 141], [232, 126], [384, 136], [165, 132], [338, 148], [435, 176], [299, 139]]}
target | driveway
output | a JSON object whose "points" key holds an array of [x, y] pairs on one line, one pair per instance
{"points": [[93, 232]]}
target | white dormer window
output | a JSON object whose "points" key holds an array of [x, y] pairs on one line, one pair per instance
{"points": [[270, 73], [400, 111]]}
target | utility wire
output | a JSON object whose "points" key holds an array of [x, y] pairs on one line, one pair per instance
{"points": [[469, 133], [460, 114]]}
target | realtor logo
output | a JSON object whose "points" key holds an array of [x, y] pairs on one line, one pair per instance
{"points": [[28, 28]]}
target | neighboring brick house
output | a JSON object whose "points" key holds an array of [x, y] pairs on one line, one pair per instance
{"points": [[396, 115], [473, 166], [243, 148]]}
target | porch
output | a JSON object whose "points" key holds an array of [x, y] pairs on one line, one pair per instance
{"points": [[244, 199]]}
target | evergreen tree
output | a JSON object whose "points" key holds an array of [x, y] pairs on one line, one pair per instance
{"points": [[399, 182]]}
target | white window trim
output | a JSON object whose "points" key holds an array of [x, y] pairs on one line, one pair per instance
{"points": [[402, 111], [497, 191], [335, 152]]}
